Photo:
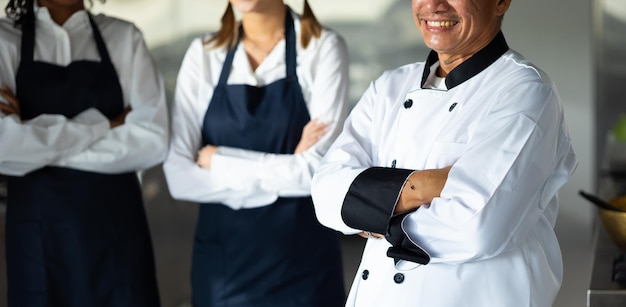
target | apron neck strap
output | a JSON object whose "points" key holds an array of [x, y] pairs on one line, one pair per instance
{"points": [[28, 39], [290, 45], [102, 49]]}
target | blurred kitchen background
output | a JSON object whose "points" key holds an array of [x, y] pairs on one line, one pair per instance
{"points": [[580, 44]]}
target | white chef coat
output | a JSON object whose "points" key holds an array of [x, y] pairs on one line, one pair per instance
{"points": [[85, 142], [490, 234], [242, 178]]}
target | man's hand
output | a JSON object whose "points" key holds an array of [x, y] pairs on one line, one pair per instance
{"points": [[13, 106], [421, 187]]}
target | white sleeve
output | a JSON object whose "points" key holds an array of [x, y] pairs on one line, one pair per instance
{"points": [[185, 179], [30, 145], [243, 178], [348, 156], [289, 175], [496, 192], [141, 142]]}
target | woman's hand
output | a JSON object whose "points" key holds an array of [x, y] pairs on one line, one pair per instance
{"points": [[204, 156], [13, 106], [312, 132]]}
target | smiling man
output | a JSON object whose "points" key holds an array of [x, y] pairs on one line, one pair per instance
{"points": [[451, 169]]}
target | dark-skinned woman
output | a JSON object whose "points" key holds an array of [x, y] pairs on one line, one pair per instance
{"points": [[82, 110]]}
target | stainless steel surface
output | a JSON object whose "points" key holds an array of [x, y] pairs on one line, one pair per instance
{"points": [[603, 292]]}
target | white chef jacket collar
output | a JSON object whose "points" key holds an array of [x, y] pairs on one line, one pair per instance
{"points": [[472, 66]]}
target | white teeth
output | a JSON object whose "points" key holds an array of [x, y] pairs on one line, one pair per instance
{"points": [[441, 24]]}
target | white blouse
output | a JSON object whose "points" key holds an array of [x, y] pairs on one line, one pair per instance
{"points": [[242, 178], [85, 142]]}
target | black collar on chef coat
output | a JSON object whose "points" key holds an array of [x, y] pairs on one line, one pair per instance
{"points": [[472, 66]]}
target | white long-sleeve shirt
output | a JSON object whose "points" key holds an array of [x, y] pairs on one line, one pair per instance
{"points": [[242, 178], [85, 142]]}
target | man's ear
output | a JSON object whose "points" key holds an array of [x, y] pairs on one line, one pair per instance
{"points": [[502, 7]]}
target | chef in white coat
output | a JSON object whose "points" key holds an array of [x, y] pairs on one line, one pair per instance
{"points": [[452, 167]]}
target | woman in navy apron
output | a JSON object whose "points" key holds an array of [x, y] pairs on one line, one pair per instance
{"points": [[74, 238], [258, 242]]}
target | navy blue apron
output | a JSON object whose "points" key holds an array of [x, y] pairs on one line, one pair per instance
{"points": [[277, 255], [75, 238]]}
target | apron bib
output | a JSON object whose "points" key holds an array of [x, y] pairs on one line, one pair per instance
{"points": [[75, 238], [277, 255]]}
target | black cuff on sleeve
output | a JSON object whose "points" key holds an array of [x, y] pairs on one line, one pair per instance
{"points": [[416, 255], [402, 248], [372, 197]]}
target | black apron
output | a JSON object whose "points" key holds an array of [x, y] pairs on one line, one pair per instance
{"points": [[75, 238], [277, 255]]}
